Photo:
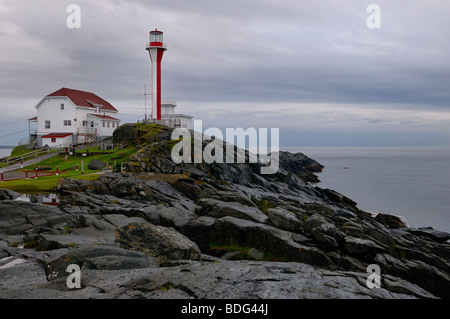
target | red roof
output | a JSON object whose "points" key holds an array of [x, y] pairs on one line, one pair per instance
{"points": [[105, 117], [56, 135], [83, 98]]}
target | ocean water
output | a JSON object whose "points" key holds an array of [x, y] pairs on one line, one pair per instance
{"points": [[409, 181], [5, 152]]}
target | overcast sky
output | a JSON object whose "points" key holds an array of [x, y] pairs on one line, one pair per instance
{"points": [[311, 68]]}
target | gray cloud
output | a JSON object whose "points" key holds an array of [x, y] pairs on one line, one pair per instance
{"points": [[246, 53]]}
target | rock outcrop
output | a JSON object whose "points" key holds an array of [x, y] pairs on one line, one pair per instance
{"points": [[166, 230]]}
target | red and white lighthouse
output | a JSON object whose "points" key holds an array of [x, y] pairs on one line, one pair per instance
{"points": [[156, 48]]}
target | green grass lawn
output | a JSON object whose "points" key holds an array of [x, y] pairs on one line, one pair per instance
{"points": [[68, 162], [45, 183], [48, 183]]}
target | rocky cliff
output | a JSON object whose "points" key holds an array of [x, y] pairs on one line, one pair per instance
{"points": [[163, 230]]}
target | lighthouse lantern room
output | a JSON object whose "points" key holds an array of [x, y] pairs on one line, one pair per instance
{"points": [[156, 48]]}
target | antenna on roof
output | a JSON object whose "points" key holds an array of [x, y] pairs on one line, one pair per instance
{"points": [[145, 96]]}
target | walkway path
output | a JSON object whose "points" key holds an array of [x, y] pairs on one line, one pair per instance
{"points": [[12, 171], [28, 162]]}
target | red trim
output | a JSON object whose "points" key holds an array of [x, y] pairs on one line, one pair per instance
{"points": [[57, 135], [158, 77], [159, 56]]}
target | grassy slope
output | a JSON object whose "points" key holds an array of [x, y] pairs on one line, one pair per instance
{"points": [[48, 183], [45, 183]]}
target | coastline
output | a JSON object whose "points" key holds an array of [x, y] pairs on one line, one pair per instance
{"points": [[404, 181], [212, 231]]}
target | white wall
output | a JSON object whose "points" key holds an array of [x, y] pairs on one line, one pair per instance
{"points": [[104, 127], [185, 122], [84, 115], [59, 141], [173, 119], [167, 109], [50, 110]]}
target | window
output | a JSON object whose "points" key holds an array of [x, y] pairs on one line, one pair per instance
{"points": [[47, 124], [104, 124], [67, 123], [108, 124], [85, 123], [62, 106], [92, 124], [53, 139]]}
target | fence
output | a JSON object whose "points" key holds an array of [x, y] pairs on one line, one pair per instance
{"points": [[31, 174], [34, 154]]}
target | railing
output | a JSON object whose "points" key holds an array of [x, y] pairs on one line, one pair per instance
{"points": [[169, 102], [87, 131], [34, 154]]}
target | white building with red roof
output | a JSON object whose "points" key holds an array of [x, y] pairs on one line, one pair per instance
{"points": [[66, 117]]}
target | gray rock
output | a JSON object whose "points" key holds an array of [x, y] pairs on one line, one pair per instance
{"points": [[3, 254], [20, 218], [284, 219], [206, 280], [232, 255], [43, 243], [162, 243], [255, 254], [217, 209], [401, 286], [428, 277], [96, 165], [66, 185], [361, 247], [390, 221], [98, 257], [175, 216], [326, 240], [323, 231], [6, 194], [429, 232]]}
